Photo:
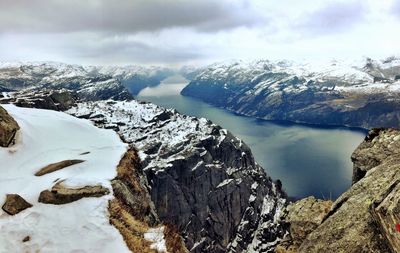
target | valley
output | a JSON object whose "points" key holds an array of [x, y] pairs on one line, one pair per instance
{"points": [[309, 160]]}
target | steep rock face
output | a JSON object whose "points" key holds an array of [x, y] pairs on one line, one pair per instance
{"points": [[329, 94], [202, 179], [8, 128], [365, 218]]}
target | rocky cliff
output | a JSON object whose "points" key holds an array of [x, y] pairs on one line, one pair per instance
{"points": [[362, 94], [202, 179], [366, 217]]}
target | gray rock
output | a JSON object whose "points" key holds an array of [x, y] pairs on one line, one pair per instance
{"points": [[8, 128], [303, 217]]}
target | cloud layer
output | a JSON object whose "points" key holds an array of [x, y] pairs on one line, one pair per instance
{"points": [[195, 31], [123, 15]]}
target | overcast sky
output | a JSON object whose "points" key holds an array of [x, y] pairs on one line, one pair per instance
{"points": [[177, 32]]}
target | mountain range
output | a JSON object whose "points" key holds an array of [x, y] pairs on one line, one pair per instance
{"points": [[176, 183]]}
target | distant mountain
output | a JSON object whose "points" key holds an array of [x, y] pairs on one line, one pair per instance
{"points": [[363, 94], [90, 82], [134, 78]]}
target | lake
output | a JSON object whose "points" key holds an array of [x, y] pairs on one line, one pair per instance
{"points": [[309, 160]]}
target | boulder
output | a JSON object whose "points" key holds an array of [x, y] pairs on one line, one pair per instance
{"points": [[303, 217], [15, 204], [8, 128]]}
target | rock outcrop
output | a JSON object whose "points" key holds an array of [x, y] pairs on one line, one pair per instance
{"points": [[8, 128], [60, 194], [366, 217], [202, 179], [15, 204]]}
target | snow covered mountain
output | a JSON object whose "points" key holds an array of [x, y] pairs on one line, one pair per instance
{"points": [[134, 78], [364, 93], [89, 82]]}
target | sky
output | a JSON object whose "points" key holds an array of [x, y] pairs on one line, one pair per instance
{"points": [[181, 32]]}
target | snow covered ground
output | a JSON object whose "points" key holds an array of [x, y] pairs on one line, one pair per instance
{"points": [[156, 237], [82, 226]]}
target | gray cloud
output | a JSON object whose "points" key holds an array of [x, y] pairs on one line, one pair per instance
{"points": [[123, 50], [185, 31], [334, 17], [90, 48], [124, 16]]}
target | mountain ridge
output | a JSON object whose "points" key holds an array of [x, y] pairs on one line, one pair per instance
{"points": [[338, 93]]}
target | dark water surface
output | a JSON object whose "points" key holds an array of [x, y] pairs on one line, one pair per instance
{"points": [[308, 160]]}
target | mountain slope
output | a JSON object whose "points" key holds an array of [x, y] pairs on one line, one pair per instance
{"points": [[363, 94]]}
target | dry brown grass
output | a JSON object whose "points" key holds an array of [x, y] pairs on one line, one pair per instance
{"points": [[173, 239], [131, 229], [127, 170]]}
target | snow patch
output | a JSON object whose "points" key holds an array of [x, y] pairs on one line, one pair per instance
{"points": [[156, 237]]}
